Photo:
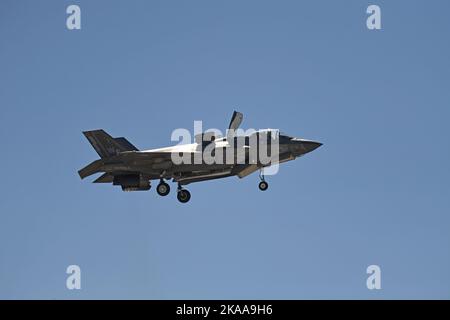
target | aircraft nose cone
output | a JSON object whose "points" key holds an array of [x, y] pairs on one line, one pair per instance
{"points": [[301, 146], [311, 145]]}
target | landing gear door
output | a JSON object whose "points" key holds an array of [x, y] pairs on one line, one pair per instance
{"points": [[236, 120]]}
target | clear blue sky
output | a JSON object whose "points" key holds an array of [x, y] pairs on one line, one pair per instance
{"points": [[377, 192]]}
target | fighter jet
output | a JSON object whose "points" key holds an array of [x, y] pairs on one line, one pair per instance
{"points": [[125, 165]]}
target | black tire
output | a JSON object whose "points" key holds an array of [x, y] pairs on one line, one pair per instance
{"points": [[183, 196], [263, 186], [163, 189]]}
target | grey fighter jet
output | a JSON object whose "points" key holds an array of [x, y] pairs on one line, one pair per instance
{"points": [[124, 165]]}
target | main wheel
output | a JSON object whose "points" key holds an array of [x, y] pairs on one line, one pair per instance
{"points": [[263, 186], [183, 196], [163, 189]]}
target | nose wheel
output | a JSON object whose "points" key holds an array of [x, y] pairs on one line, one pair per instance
{"points": [[163, 188], [263, 185]]}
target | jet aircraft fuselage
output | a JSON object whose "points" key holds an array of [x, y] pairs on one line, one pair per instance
{"points": [[208, 158]]}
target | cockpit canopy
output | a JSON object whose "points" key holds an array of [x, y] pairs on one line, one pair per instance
{"points": [[207, 137]]}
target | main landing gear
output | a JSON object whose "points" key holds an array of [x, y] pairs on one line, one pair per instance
{"points": [[163, 188], [263, 185], [183, 195]]}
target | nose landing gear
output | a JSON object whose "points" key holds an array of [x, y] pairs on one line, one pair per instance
{"points": [[263, 185]]}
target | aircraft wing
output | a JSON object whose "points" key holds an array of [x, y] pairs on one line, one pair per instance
{"points": [[240, 170]]}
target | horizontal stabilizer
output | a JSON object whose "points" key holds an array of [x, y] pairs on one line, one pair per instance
{"points": [[90, 169]]}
